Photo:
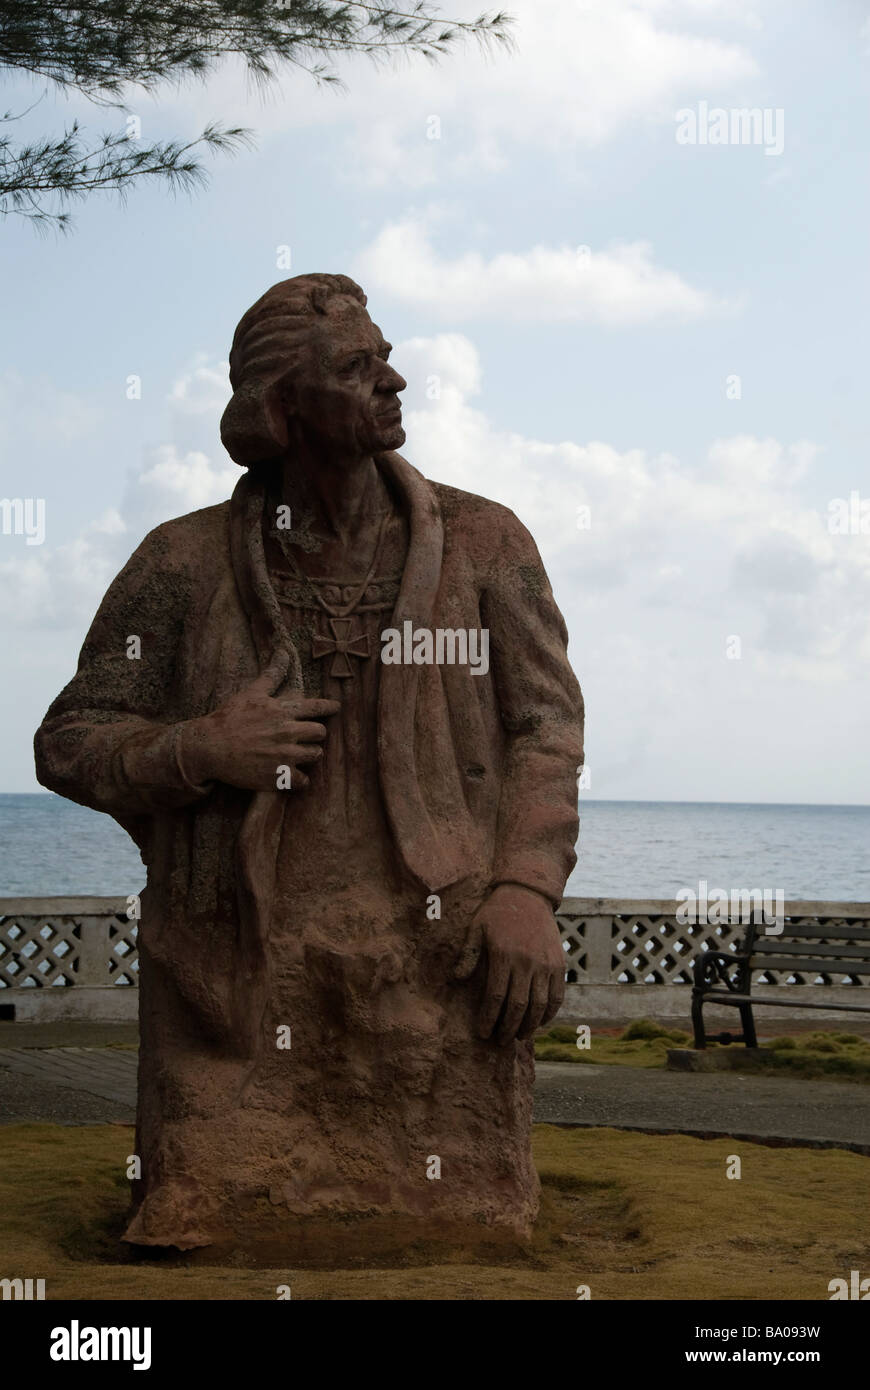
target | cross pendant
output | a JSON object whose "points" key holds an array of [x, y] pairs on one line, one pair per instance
{"points": [[343, 644]]}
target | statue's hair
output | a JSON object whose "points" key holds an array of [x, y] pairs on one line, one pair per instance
{"points": [[266, 348]]}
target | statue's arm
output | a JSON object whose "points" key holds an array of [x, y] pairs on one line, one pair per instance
{"points": [[111, 739], [542, 712]]}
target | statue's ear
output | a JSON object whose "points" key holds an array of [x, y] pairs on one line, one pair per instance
{"points": [[277, 405], [254, 425]]}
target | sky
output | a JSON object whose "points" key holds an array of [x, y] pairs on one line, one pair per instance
{"points": [[633, 318]]}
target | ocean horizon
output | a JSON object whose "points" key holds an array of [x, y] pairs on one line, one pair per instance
{"points": [[50, 847]]}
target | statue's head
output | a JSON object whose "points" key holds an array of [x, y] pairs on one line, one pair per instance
{"points": [[307, 361]]}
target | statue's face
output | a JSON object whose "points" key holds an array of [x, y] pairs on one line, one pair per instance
{"points": [[344, 393]]}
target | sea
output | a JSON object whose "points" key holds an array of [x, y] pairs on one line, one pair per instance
{"points": [[627, 849]]}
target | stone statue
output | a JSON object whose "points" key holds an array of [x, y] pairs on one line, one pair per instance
{"points": [[348, 754]]}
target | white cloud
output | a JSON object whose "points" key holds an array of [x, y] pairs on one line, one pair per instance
{"points": [[57, 586], [616, 285], [579, 75], [172, 483], [681, 555], [61, 586], [727, 543], [203, 389]]}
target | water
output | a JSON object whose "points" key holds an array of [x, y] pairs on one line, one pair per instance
{"points": [[628, 849], [50, 847], [638, 849]]}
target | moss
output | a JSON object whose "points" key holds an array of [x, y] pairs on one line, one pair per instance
{"points": [[560, 1045], [648, 1029], [562, 1052], [563, 1033], [645, 1043], [534, 580], [812, 1055]]}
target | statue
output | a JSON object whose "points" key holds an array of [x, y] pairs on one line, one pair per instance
{"points": [[348, 753]]}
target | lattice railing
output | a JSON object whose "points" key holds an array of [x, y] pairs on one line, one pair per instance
{"points": [[64, 942], [572, 929], [61, 942], [34, 953], [123, 950], [612, 942]]}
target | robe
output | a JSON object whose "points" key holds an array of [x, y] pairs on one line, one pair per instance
{"points": [[307, 1056]]}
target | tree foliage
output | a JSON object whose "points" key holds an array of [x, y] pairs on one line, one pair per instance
{"points": [[102, 48]]}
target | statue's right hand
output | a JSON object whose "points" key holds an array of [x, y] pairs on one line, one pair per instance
{"points": [[247, 739]]}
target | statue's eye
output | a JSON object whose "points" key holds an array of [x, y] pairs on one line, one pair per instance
{"points": [[353, 364]]}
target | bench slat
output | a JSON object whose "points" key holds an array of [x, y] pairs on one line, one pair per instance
{"points": [[809, 965], [776, 945], [726, 997], [826, 933]]}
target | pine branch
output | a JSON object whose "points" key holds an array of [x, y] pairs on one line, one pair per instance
{"points": [[97, 47], [66, 169], [102, 48]]}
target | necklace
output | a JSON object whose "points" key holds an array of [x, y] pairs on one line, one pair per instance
{"points": [[345, 642]]}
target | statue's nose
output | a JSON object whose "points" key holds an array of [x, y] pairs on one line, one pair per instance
{"points": [[392, 381]]}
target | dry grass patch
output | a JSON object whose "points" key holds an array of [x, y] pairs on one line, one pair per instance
{"points": [[631, 1215]]}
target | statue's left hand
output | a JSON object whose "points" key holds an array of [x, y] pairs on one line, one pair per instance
{"points": [[515, 930]]}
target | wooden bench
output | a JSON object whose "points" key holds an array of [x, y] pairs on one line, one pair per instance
{"points": [[725, 977]]}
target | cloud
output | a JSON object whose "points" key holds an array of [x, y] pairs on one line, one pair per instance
{"points": [[202, 390], [679, 556], [724, 544], [171, 483], [616, 286], [61, 586], [579, 76]]}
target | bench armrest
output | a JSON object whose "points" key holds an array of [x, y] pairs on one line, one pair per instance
{"points": [[728, 968]]}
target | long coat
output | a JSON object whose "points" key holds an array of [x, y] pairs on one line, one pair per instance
{"points": [[477, 772]]}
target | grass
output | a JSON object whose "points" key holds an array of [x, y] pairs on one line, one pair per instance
{"points": [[629, 1215], [642, 1044], [645, 1043]]}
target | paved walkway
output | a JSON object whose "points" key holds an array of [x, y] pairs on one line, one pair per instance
{"points": [[826, 1113], [68, 1073], [67, 1085], [90, 1082]]}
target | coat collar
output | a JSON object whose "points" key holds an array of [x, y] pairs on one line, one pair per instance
{"points": [[428, 852]]}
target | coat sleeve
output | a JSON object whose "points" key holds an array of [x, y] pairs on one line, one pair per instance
{"points": [[542, 713], [111, 738]]}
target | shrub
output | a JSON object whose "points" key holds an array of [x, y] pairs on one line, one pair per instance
{"points": [[561, 1033], [647, 1030]]}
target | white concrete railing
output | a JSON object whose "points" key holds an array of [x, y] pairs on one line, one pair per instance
{"points": [[77, 958]]}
